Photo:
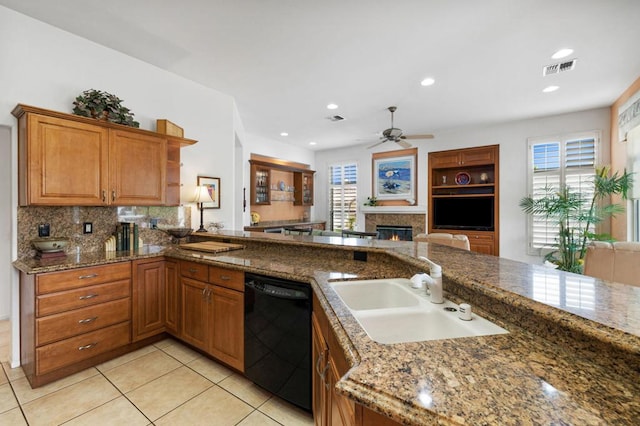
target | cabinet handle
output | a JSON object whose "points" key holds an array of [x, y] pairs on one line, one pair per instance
{"points": [[204, 292], [323, 375], [88, 296], [104, 196], [193, 270], [84, 277], [87, 320], [113, 195], [89, 346], [225, 277], [320, 358]]}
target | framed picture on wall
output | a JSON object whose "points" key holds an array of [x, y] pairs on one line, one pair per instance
{"points": [[394, 175], [213, 185]]}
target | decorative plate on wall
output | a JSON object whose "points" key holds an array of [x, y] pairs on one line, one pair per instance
{"points": [[463, 178]]}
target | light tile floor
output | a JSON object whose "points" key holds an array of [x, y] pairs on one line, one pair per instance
{"points": [[161, 384]]}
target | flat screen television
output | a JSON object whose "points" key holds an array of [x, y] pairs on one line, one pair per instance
{"points": [[474, 213]]}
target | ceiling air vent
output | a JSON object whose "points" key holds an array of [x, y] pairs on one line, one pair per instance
{"points": [[559, 67], [335, 118]]}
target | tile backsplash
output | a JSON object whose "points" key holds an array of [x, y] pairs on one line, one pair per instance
{"points": [[67, 222]]}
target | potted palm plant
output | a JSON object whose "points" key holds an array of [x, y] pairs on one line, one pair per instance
{"points": [[577, 215]]}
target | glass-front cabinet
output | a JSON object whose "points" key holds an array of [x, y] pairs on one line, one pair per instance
{"points": [[303, 188], [260, 185]]}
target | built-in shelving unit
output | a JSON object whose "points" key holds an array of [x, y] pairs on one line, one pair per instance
{"points": [[463, 195]]}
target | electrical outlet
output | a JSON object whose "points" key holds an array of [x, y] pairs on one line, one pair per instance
{"points": [[43, 230], [87, 228]]}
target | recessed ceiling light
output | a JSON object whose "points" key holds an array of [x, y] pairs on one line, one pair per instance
{"points": [[312, 143], [562, 53], [284, 134], [427, 81], [550, 89], [332, 106]]}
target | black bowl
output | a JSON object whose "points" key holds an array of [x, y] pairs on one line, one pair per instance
{"points": [[178, 232]]}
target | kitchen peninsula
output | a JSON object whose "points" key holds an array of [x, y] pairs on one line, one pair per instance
{"points": [[560, 363]]}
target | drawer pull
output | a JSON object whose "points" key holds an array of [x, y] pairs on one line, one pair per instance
{"points": [[193, 270], [88, 296], [89, 346], [225, 277], [84, 277], [87, 320]]}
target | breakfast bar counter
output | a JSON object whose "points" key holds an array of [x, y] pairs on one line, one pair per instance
{"points": [[572, 354]]}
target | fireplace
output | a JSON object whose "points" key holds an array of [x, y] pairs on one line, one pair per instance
{"points": [[395, 232]]}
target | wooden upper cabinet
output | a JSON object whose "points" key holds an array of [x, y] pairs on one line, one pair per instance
{"points": [[138, 168], [462, 157], [68, 160], [62, 162]]}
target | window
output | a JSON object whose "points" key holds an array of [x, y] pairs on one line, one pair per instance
{"points": [[555, 162], [343, 194]]}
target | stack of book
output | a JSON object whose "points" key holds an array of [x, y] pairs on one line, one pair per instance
{"points": [[126, 236]]}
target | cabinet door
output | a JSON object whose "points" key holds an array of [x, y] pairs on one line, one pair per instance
{"points": [[195, 312], [66, 163], [444, 159], [319, 400], [172, 297], [138, 168], [303, 184], [341, 408], [477, 156], [148, 299], [227, 310], [260, 185]]}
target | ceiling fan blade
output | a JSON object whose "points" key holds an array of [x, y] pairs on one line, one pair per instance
{"points": [[376, 144], [403, 144], [418, 137]]}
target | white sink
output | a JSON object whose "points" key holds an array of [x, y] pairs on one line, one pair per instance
{"points": [[392, 312], [374, 294]]}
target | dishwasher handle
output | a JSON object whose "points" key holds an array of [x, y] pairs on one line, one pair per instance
{"points": [[276, 291]]}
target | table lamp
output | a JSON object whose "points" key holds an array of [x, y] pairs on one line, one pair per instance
{"points": [[202, 196]]}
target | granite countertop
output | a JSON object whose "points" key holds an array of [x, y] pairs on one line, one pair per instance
{"points": [[572, 355]]}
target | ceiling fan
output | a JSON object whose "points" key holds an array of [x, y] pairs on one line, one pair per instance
{"points": [[395, 135]]}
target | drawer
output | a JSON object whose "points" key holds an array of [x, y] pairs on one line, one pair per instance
{"points": [[76, 349], [82, 277], [63, 301], [62, 326], [196, 271], [226, 278]]}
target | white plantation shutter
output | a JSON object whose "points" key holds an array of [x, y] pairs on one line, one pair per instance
{"points": [[554, 162], [343, 194]]}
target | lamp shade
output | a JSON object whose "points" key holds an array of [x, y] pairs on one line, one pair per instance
{"points": [[202, 195]]}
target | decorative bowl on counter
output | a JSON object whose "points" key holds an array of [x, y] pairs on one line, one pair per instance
{"points": [[49, 245], [178, 232]]}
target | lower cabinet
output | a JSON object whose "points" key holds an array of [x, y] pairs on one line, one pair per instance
{"points": [[329, 365], [172, 297], [70, 319], [149, 295], [213, 311]]}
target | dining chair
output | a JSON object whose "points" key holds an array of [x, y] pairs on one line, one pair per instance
{"points": [[453, 240], [347, 233]]}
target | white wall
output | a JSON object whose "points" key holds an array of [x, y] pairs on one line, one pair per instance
{"points": [[512, 138], [46, 67]]}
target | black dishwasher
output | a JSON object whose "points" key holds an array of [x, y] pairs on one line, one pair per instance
{"points": [[277, 337]]}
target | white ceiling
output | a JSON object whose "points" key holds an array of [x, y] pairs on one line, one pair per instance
{"points": [[285, 60]]}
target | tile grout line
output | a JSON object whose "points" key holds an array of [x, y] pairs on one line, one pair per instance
{"points": [[24, 416], [125, 396]]}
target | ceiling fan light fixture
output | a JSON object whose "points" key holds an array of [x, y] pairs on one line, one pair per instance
{"points": [[427, 82]]}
